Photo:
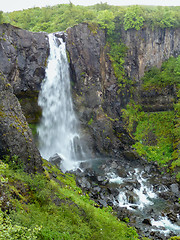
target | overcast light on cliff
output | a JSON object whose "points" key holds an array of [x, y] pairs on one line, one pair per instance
{"points": [[9, 5]]}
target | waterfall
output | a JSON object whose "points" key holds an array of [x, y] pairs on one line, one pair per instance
{"points": [[58, 130]]}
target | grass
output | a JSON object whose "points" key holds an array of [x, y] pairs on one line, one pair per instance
{"points": [[55, 208]]}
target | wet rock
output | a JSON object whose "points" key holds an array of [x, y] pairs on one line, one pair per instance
{"points": [[102, 203], [55, 160], [83, 183], [131, 155], [172, 216], [102, 180], [121, 172], [89, 173], [147, 221], [175, 189], [113, 191], [132, 197]]}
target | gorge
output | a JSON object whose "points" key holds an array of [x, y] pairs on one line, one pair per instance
{"points": [[98, 100]]}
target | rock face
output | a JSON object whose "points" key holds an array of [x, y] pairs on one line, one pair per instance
{"points": [[147, 48], [97, 96], [24, 57], [15, 136], [95, 89]]}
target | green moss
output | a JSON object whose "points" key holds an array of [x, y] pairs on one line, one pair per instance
{"points": [[90, 121], [68, 56], [93, 27]]}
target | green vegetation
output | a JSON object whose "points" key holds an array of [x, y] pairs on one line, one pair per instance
{"points": [[51, 206], [169, 74], [133, 18], [1, 17], [157, 134], [62, 16]]}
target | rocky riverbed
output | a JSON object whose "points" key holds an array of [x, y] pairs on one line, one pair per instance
{"points": [[137, 191]]}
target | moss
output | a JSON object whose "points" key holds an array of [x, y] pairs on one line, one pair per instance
{"points": [[68, 56], [90, 121], [93, 27]]}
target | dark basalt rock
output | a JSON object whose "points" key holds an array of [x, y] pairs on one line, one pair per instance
{"points": [[56, 160], [147, 221], [24, 57], [16, 137], [95, 91]]}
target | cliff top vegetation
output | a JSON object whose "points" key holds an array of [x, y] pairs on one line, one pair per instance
{"points": [[62, 16]]}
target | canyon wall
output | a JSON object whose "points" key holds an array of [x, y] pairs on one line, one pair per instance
{"points": [[22, 68], [97, 95]]}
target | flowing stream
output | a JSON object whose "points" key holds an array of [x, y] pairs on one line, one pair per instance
{"points": [[58, 131], [137, 195]]}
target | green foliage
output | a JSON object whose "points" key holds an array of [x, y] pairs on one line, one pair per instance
{"points": [[157, 134], [1, 17], [105, 19], [12, 231], [163, 17], [169, 74], [153, 132], [131, 115], [117, 54], [154, 136], [62, 16], [133, 18], [14, 162], [90, 121], [175, 238], [55, 208]]}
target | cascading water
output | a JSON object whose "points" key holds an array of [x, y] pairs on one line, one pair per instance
{"points": [[58, 129]]}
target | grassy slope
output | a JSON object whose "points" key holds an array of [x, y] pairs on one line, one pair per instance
{"points": [[51, 206]]}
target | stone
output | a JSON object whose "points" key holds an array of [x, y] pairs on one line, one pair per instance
{"points": [[175, 188], [83, 183], [147, 221], [56, 160]]}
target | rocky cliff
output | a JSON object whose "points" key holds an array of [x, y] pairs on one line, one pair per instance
{"points": [[147, 48], [98, 97], [23, 58], [16, 138], [95, 89]]}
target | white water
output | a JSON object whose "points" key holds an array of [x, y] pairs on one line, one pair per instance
{"points": [[58, 129], [164, 223], [143, 195]]}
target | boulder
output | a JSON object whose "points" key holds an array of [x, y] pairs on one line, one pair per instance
{"points": [[56, 160]]}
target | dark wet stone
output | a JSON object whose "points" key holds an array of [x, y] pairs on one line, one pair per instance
{"points": [[147, 221], [172, 216], [55, 160], [84, 183]]}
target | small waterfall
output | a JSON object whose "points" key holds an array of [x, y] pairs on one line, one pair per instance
{"points": [[58, 130]]}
